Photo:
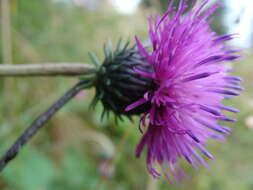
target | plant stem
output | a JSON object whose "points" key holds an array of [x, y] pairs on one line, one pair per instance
{"points": [[12, 152], [46, 69]]}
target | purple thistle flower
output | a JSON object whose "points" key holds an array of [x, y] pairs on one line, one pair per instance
{"points": [[191, 82]]}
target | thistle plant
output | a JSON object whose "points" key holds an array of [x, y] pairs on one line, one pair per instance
{"points": [[177, 86]]}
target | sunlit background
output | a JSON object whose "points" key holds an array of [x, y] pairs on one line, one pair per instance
{"points": [[76, 150]]}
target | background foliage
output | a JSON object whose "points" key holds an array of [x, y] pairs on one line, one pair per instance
{"points": [[77, 150]]}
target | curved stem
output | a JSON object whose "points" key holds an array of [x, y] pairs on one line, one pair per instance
{"points": [[37, 124]]}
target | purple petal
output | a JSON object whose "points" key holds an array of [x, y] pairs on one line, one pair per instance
{"points": [[233, 78], [196, 77], [210, 59], [224, 38], [136, 104], [235, 87], [230, 109], [225, 118], [141, 48], [226, 92], [204, 151], [193, 136], [210, 110]]}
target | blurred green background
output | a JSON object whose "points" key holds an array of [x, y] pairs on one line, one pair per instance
{"points": [[76, 150]]}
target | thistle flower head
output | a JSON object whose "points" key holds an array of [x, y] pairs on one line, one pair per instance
{"points": [[190, 81], [116, 83]]}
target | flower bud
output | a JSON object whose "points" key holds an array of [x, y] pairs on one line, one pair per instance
{"points": [[117, 84]]}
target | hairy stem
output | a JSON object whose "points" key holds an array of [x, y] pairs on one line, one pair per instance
{"points": [[37, 124]]}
